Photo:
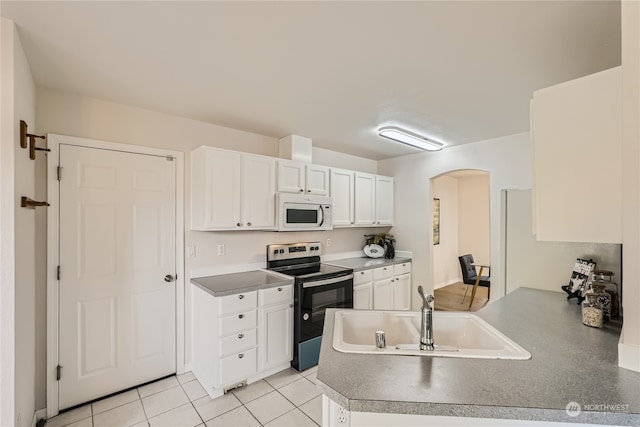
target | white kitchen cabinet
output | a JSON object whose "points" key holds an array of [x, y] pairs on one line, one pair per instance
{"points": [[577, 148], [232, 190], [296, 177], [373, 200], [363, 290], [384, 200], [342, 194], [240, 338], [276, 327], [365, 199], [402, 292], [392, 287]]}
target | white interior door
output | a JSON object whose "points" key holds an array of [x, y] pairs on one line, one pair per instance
{"points": [[117, 314]]}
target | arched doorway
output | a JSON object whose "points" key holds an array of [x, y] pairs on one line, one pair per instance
{"points": [[461, 224]]}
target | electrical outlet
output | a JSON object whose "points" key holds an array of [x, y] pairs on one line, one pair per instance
{"points": [[221, 250], [191, 251], [328, 242]]}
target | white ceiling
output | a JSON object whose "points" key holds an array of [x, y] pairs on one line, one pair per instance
{"points": [[332, 71]]}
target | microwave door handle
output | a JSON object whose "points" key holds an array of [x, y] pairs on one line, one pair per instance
{"points": [[321, 215]]}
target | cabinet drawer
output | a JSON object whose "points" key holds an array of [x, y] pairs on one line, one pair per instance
{"points": [[403, 268], [238, 322], [362, 277], [238, 366], [275, 295], [383, 273], [238, 302], [238, 341]]}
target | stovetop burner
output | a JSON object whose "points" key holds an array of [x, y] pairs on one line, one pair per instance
{"points": [[301, 260]]}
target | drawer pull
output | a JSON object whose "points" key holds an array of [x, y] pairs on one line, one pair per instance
{"points": [[240, 356], [240, 336], [240, 296], [279, 289], [362, 272], [240, 316]]}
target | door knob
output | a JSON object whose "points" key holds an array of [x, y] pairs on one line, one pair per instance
{"points": [[169, 278]]}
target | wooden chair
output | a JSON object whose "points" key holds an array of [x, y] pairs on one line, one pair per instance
{"points": [[470, 275]]}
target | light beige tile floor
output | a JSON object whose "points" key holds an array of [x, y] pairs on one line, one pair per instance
{"points": [[288, 398]]}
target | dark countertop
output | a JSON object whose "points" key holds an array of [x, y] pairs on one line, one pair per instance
{"points": [[569, 362], [364, 263], [235, 283]]}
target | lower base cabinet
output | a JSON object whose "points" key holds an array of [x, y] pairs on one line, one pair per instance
{"points": [[276, 337], [241, 338], [391, 287]]}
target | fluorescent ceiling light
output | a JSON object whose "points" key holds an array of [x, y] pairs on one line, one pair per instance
{"points": [[409, 138]]}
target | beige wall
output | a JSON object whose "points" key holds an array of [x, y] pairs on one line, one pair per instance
{"points": [[21, 392], [446, 269], [7, 222], [474, 220], [629, 349], [67, 114], [545, 265], [414, 193]]}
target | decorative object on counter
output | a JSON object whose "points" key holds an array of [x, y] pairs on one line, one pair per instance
{"points": [[603, 298], [436, 221], [592, 311], [605, 277], [374, 251], [577, 284], [379, 245]]}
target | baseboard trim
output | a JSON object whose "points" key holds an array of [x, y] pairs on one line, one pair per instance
{"points": [[447, 283], [40, 414], [629, 356]]}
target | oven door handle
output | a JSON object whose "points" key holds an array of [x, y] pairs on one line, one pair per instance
{"points": [[327, 281]]}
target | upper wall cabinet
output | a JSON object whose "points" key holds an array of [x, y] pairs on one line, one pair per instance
{"points": [[577, 147], [342, 194], [361, 199], [232, 190], [296, 177]]}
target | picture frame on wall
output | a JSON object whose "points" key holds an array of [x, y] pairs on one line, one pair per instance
{"points": [[436, 221]]}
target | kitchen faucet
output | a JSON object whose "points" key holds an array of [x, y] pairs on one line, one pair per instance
{"points": [[426, 326]]}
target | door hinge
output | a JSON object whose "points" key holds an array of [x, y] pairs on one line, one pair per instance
{"points": [[59, 173], [58, 372], [58, 273], [170, 158]]}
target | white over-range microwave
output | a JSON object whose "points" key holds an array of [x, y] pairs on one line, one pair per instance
{"points": [[303, 212]]}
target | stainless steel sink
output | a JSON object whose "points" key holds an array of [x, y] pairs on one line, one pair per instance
{"points": [[456, 334]]}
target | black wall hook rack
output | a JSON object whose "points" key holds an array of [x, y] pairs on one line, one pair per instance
{"points": [[24, 135]]}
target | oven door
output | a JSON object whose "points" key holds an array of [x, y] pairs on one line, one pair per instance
{"points": [[314, 297]]}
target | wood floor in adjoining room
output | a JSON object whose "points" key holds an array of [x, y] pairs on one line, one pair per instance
{"points": [[449, 298]]}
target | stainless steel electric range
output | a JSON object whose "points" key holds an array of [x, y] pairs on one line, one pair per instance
{"points": [[317, 287]]}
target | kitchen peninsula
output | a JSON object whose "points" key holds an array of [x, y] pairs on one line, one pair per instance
{"points": [[570, 363]]}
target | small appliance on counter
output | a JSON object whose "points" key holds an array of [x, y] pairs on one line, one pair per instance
{"points": [[317, 287]]}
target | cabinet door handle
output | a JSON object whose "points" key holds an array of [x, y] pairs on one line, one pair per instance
{"points": [[240, 316], [248, 224], [240, 356], [240, 336], [279, 289], [308, 191], [240, 296], [302, 190], [362, 272], [239, 224]]}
